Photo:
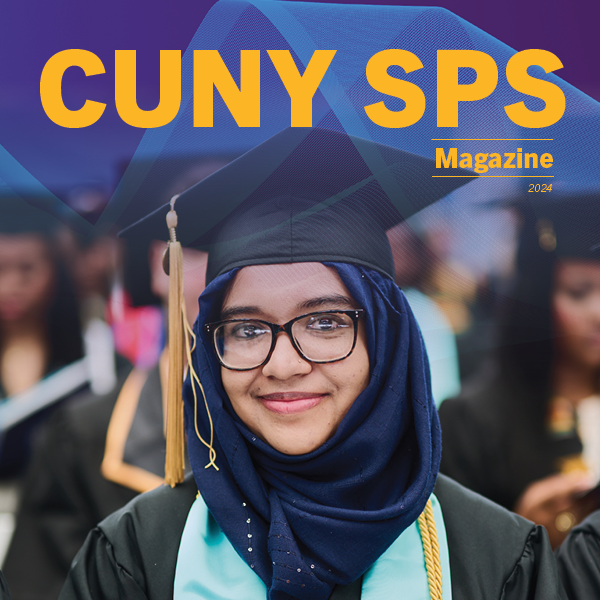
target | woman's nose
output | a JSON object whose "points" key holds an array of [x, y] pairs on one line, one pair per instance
{"points": [[285, 362]]}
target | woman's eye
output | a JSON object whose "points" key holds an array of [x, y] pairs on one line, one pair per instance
{"points": [[326, 323], [577, 293], [248, 331], [27, 268]]}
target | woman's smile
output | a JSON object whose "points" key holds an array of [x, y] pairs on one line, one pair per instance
{"points": [[290, 403]]}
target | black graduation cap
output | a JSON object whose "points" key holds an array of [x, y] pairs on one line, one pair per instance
{"points": [[567, 225], [304, 195]]}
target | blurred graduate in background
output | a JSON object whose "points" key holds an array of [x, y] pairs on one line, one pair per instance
{"points": [[79, 474], [526, 431], [93, 259], [40, 331], [413, 264]]}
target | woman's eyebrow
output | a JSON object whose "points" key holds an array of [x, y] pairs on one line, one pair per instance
{"points": [[231, 312], [327, 301]]}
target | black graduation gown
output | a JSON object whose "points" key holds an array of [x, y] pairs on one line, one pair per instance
{"points": [[64, 496], [16, 444], [493, 553], [494, 442], [4, 593], [578, 560]]}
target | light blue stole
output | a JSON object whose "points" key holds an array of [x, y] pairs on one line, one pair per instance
{"points": [[209, 568]]}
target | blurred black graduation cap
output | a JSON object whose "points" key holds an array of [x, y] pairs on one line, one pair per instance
{"points": [[304, 195], [88, 201], [35, 214], [560, 224]]}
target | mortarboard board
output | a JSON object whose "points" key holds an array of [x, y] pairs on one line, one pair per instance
{"points": [[304, 195]]}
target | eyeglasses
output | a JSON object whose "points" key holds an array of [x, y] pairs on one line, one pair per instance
{"points": [[318, 337]]}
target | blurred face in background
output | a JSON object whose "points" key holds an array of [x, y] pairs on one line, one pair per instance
{"points": [[92, 265], [409, 257], [576, 311], [194, 276], [27, 276]]}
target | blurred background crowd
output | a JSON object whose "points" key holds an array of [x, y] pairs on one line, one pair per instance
{"points": [[505, 287], [510, 317]]}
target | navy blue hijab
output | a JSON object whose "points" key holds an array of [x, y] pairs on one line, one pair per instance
{"points": [[306, 523]]}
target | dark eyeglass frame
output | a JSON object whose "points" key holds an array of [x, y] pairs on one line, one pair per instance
{"points": [[353, 313]]}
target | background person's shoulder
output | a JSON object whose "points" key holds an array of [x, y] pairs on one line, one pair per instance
{"points": [[494, 553], [164, 507], [578, 559]]}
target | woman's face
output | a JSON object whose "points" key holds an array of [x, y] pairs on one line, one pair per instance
{"points": [[293, 405], [27, 276], [576, 308]]}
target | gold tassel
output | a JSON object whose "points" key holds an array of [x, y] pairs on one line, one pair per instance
{"points": [[180, 333], [175, 459]]}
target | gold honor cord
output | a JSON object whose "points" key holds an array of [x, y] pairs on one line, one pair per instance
{"points": [[196, 380], [179, 343], [431, 550]]}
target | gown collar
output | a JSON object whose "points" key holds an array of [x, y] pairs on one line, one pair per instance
{"points": [[209, 567]]}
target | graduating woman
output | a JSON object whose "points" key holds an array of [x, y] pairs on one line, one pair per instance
{"points": [[526, 433], [312, 433]]}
